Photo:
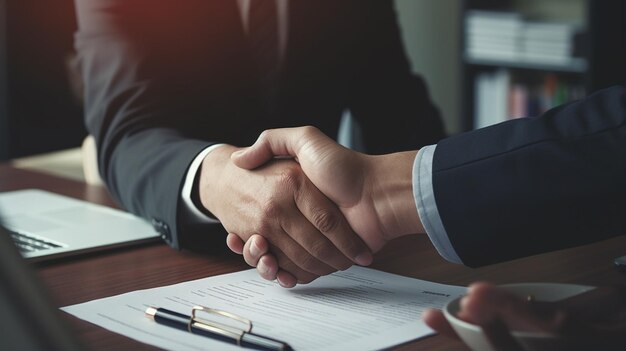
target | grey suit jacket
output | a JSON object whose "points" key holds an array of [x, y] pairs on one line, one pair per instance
{"points": [[165, 79]]}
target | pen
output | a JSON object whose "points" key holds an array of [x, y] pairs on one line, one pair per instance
{"points": [[239, 337]]}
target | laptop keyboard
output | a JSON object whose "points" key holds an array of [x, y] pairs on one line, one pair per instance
{"points": [[27, 243]]}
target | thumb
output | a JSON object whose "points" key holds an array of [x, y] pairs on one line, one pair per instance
{"points": [[251, 157], [271, 143]]}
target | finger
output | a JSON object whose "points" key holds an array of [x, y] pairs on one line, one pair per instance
{"points": [[281, 240], [288, 270], [286, 279], [273, 142], [486, 303], [308, 248], [437, 321], [258, 251], [471, 306], [270, 271], [234, 243], [342, 243], [278, 142], [254, 248], [268, 267]]}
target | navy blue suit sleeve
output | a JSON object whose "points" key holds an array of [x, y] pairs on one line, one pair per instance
{"points": [[533, 185]]}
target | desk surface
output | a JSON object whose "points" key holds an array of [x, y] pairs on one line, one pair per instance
{"points": [[83, 278]]}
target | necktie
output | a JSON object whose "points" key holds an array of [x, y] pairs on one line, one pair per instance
{"points": [[263, 39]]}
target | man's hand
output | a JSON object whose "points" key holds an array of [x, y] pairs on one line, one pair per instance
{"points": [[484, 304], [592, 320], [373, 192], [306, 232]]}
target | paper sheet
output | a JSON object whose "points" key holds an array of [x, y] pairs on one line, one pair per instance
{"points": [[360, 308]]}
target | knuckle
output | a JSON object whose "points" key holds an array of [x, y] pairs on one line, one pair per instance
{"points": [[271, 210], [290, 178], [247, 257], [265, 229], [265, 275], [306, 262], [308, 131], [325, 220], [286, 265], [264, 135], [322, 250]]}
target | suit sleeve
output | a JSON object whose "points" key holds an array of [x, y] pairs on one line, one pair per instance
{"points": [[536, 184], [139, 62], [391, 104]]}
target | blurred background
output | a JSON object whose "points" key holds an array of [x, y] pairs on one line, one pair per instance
{"points": [[485, 61]]}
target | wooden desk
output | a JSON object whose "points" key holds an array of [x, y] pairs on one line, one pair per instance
{"points": [[80, 279]]}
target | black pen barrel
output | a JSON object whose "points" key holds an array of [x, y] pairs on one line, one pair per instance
{"points": [[181, 321], [258, 342], [248, 340], [171, 319]]}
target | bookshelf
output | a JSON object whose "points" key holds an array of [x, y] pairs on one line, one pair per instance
{"points": [[522, 57]]}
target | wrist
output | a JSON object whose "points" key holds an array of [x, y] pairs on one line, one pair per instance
{"points": [[390, 180], [210, 173]]}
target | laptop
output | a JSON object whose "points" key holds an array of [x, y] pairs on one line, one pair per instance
{"points": [[45, 225], [29, 320]]}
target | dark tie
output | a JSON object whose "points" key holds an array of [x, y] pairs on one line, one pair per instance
{"points": [[263, 38]]}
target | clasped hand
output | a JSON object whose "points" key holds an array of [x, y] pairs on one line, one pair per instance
{"points": [[306, 233], [314, 213]]}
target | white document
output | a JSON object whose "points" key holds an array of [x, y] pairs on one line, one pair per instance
{"points": [[356, 309]]}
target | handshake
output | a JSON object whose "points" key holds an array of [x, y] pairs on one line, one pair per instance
{"points": [[298, 205]]}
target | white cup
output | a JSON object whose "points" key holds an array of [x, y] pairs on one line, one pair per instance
{"points": [[474, 337]]}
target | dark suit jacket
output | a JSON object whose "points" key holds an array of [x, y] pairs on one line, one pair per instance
{"points": [[165, 79], [538, 184]]}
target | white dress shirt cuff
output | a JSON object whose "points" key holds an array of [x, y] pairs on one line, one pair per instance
{"points": [[426, 205], [193, 213]]}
